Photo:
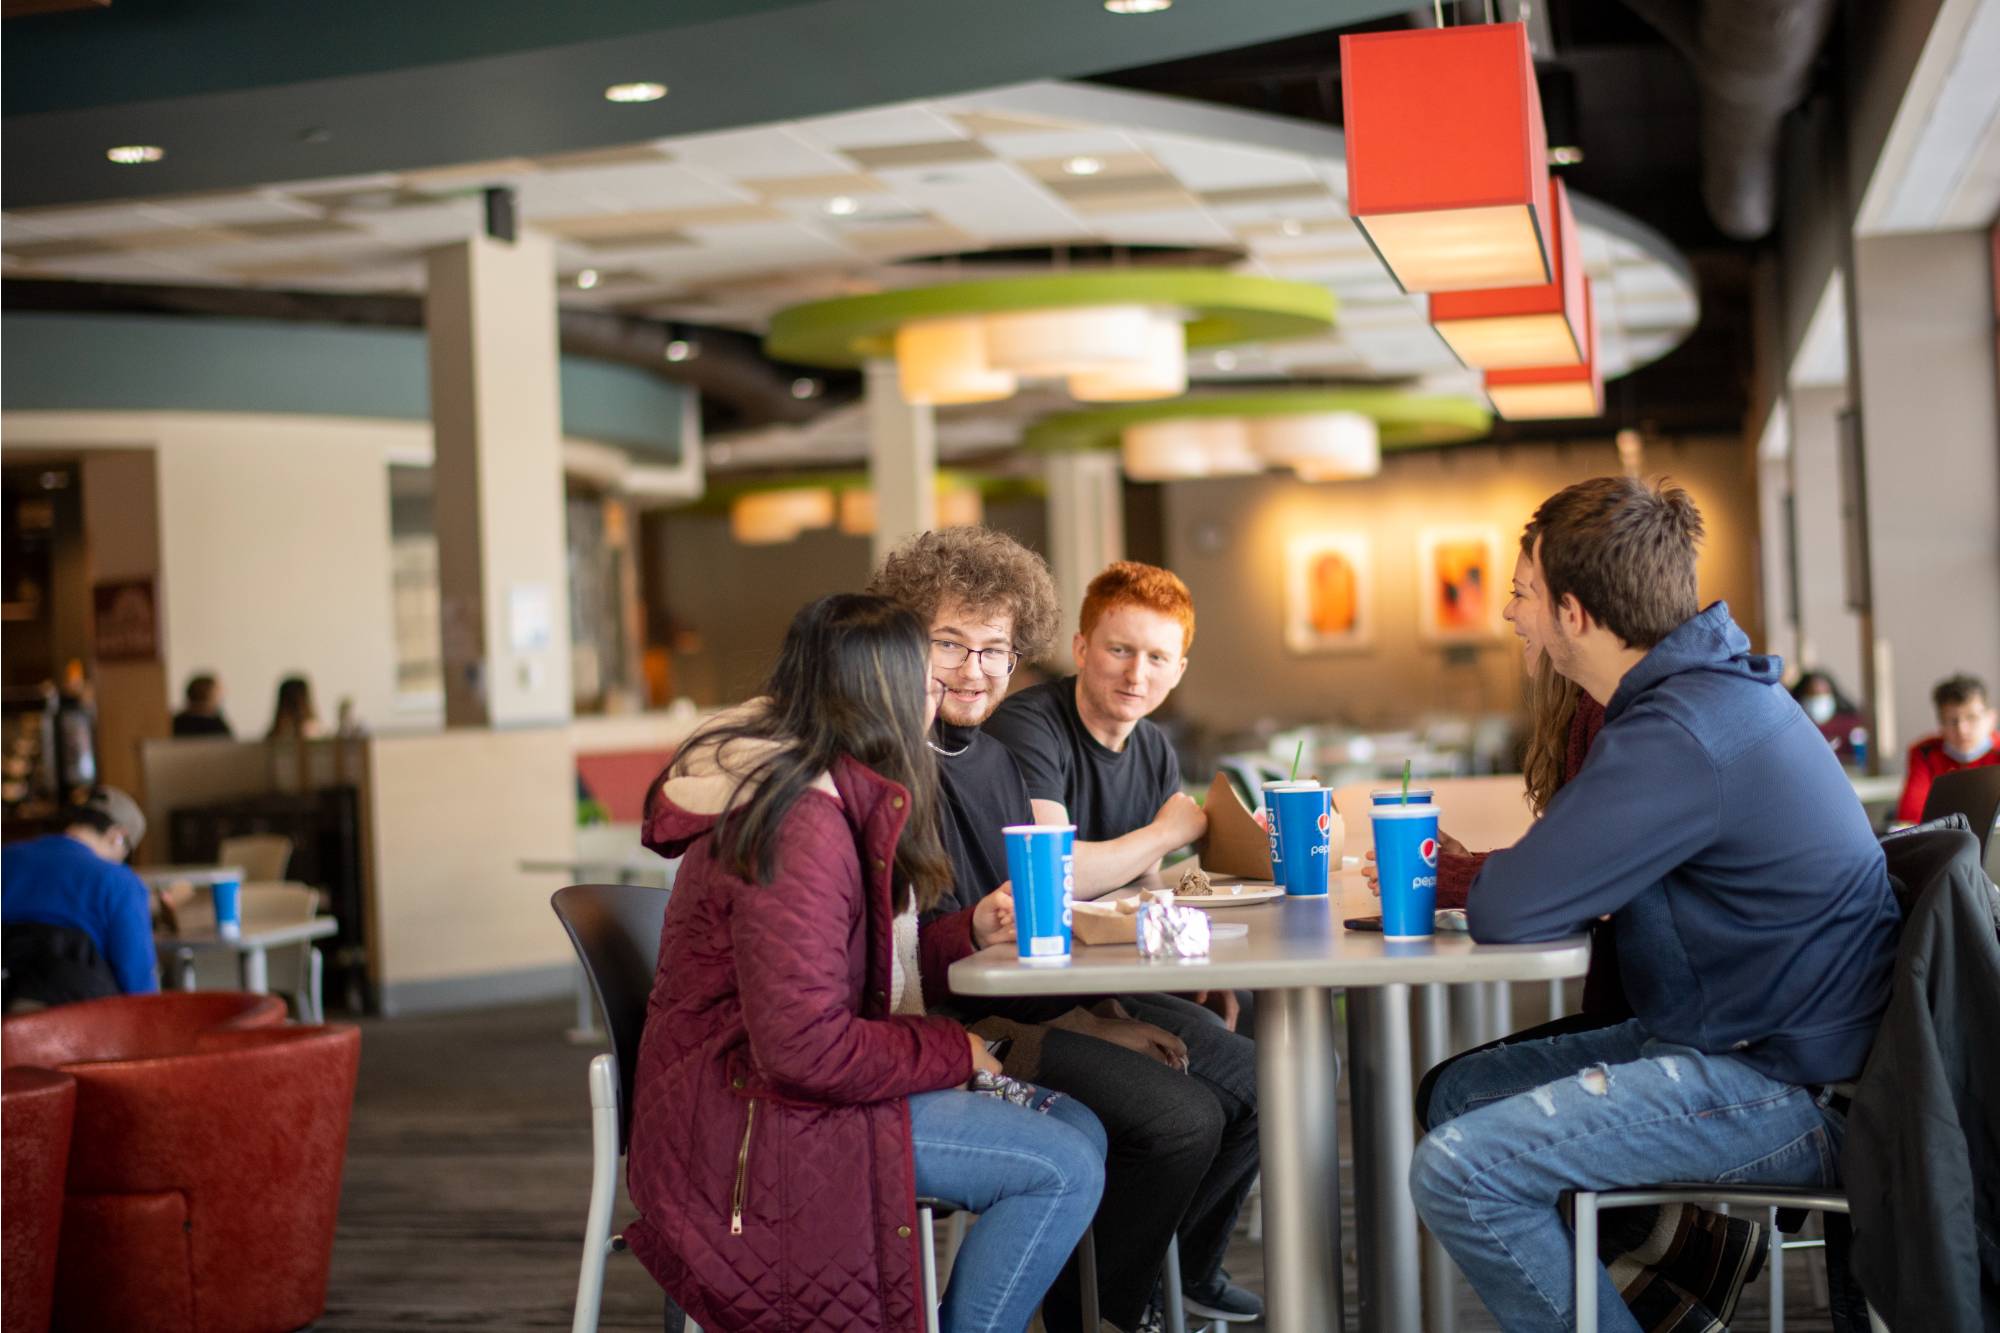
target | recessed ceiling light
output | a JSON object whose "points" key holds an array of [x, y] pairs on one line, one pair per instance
{"points": [[635, 92], [1137, 6], [1292, 227], [1083, 166], [842, 206], [135, 154], [1565, 155], [805, 387], [587, 279], [679, 349]]}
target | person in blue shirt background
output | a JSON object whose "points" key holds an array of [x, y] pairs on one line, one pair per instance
{"points": [[77, 921]]}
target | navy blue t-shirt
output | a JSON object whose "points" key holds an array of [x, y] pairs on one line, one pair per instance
{"points": [[60, 882]]}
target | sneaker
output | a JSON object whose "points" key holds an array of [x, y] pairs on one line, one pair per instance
{"points": [[1714, 1257], [1219, 1298], [1658, 1304]]}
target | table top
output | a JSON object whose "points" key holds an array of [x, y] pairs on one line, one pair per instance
{"points": [[1291, 942], [156, 877], [1880, 787], [253, 936]]}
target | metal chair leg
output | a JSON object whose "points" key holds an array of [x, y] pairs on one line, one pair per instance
{"points": [[1086, 1272], [926, 1221], [597, 1238], [1585, 1204], [1777, 1275]]}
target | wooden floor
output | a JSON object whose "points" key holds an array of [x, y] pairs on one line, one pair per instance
{"points": [[469, 1167]]}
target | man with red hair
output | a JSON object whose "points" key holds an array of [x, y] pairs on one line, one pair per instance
{"points": [[1091, 754]]}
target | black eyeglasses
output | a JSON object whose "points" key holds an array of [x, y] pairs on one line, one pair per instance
{"points": [[992, 661]]}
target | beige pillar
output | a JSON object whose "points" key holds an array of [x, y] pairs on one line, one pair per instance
{"points": [[490, 312], [902, 461], [1829, 629], [1931, 440], [1086, 528]]}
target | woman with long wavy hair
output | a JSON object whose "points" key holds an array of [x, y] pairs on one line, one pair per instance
{"points": [[792, 1099]]}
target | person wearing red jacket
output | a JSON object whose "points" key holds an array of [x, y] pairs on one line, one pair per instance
{"points": [[1966, 738], [792, 1099]]}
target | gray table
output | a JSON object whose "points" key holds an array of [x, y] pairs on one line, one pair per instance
{"points": [[160, 877], [251, 946], [1295, 955]]}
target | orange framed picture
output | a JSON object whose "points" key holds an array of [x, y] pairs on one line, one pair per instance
{"points": [[1460, 585], [1329, 602]]}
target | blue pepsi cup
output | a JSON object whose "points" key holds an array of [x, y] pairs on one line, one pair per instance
{"points": [[1406, 855], [1271, 790], [1304, 818], [1041, 861], [228, 896], [1394, 796]]}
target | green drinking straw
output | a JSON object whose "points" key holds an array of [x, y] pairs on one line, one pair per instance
{"points": [[1406, 782], [1296, 752]]}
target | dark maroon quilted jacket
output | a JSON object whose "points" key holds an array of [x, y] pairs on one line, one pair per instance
{"points": [[770, 1152]]}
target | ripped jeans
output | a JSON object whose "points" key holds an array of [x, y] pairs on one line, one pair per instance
{"points": [[1516, 1126]]}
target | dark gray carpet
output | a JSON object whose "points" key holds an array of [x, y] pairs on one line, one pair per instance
{"points": [[468, 1171]]}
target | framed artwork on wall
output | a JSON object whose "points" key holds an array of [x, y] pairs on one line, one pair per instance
{"points": [[1329, 606], [1460, 588]]}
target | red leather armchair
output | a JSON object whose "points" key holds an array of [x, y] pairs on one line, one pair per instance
{"points": [[36, 1110], [204, 1176]]}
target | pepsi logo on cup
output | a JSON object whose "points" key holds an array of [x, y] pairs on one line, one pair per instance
{"points": [[1428, 849], [1325, 822]]}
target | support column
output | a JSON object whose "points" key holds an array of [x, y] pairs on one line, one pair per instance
{"points": [[1829, 630], [1086, 526], [490, 313], [902, 460], [1931, 443]]}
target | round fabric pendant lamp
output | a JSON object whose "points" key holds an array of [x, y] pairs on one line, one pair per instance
{"points": [[768, 518], [1163, 374], [1066, 340], [943, 361], [1321, 446], [1180, 448]]}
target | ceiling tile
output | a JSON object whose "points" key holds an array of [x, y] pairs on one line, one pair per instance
{"points": [[1167, 227], [630, 155], [1208, 165], [990, 200], [768, 151], [942, 153], [907, 122], [814, 187], [1067, 143], [501, 171]]}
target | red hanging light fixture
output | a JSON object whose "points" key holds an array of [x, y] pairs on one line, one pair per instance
{"points": [[1447, 157], [1512, 328], [1553, 392]]}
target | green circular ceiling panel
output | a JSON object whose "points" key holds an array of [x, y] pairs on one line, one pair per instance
{"points": [[1404, 420], [1222, 308]]}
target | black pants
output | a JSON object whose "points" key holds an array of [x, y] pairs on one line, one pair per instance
{"points": [[1182, 1153]]}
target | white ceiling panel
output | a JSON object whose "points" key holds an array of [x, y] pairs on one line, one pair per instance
{"points": [[906, 123], [769, 152], [1207, 165], [995, 201]]}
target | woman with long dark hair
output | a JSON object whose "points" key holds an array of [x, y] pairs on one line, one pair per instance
{"points": [[792, 1100]]}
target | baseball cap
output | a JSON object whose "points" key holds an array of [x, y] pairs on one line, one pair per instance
{"points": [[121, 810]]}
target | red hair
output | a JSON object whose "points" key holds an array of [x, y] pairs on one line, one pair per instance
{"points": [[1129, 583]]}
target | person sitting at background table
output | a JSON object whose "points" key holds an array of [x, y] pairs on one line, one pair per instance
{"points": [[792, 1098], [1183, 1149], [1756, 926], [77, 922], [202, 715], [1967, 737], [293, 717], [1838, 718]]}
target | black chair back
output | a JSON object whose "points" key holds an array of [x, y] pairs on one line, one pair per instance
{"points": [[616, 931], [1972, 792]]}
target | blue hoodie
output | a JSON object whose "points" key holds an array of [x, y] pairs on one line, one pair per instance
{"points": [[1751, 902]]}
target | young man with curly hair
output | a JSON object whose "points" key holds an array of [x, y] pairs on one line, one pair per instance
{"points": [[1176, 1095]]}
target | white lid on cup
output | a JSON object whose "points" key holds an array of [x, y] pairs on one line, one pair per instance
{"points": [[1039, 828], [1411, 811]]}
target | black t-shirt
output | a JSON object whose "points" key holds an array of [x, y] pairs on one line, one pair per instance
{"points": [[200, 724], [1108, 793], [983, 793]]}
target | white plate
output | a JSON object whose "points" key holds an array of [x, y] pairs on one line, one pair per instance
{"points": [[1228, 930], [1244, 893]]}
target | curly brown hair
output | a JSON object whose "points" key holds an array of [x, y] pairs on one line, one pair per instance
{"points": [[979, 569]]}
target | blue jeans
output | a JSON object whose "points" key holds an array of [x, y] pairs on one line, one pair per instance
{"points": [[1033, 1179], [1515, 1126]]}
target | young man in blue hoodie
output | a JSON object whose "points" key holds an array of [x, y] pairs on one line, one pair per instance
{"points": [[1755, 923]]}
